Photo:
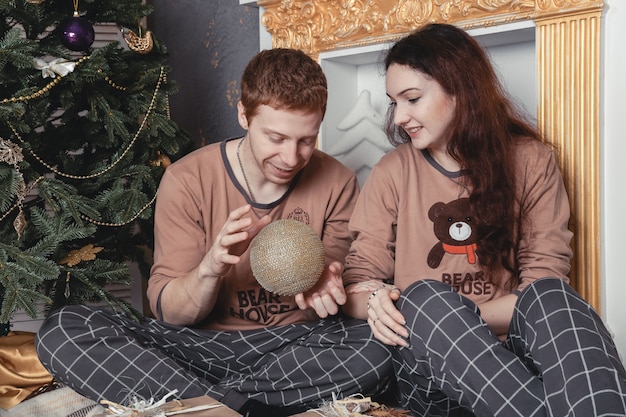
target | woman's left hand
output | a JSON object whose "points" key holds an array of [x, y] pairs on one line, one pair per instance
{"points": [[385, 320], [327, 294]]}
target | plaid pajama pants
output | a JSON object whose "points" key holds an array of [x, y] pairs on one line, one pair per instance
{"points": [[109, 356], [558, 360]]}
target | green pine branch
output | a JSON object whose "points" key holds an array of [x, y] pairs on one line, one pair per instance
{"points": [[87, 282], [21, 273], [89, 140], [16, 51]]}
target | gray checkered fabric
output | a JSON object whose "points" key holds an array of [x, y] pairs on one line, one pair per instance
{"points": [[558, 360], [107, 356]]}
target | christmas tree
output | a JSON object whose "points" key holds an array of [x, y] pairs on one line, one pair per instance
{"points": [[85, 136]]}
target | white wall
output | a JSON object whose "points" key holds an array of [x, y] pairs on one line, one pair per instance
{"points": [[613, 151]]}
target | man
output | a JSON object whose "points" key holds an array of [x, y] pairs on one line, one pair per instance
{"points": [[218, 332]]}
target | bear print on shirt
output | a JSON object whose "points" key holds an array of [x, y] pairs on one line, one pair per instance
{"points": [[453, 226]]}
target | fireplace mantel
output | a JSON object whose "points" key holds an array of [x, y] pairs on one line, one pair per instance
{"points": [[567, 44]]}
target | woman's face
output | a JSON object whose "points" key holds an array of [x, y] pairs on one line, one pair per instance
{"points": [[420, 107]]}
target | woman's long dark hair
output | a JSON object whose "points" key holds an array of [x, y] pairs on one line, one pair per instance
{"points": [[482, 133]]}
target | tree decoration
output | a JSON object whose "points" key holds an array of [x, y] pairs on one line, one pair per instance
{"points": [[19, 224], [41, 91], [77, 180], [50, 69], [86, 253], [161, 160], [11, 154], [76, 33], [140, 44]]}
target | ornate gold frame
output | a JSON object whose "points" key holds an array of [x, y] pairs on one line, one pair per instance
{"points": [[568, 74]]}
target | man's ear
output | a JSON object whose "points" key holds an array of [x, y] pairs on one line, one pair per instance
{"points": [[241, 116]]}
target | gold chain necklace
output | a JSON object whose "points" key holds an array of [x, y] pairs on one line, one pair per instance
{"points": [[245, 178]]}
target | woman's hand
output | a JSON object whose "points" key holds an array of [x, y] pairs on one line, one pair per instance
{"points": [[327, 294], [385, 320]]}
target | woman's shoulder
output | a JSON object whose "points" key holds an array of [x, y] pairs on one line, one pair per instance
{"points": [[533, 146], [533, 151], [399, 156]]}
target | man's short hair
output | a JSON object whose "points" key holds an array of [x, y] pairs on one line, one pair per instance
{"points": [[283, 79]]}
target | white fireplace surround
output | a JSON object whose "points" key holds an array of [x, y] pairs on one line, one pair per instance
{"points": [[356, 80], [353, 70]]}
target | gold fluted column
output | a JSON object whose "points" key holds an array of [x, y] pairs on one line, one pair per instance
{"points": [[568, 59]]}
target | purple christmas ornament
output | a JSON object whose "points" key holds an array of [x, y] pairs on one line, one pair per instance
{"points": [[76, 33]]}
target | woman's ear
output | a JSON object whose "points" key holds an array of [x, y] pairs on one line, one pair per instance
{"points": [[241, 116]]}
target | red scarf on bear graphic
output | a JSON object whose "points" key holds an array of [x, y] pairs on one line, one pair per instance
{"points": [[469, 250]]}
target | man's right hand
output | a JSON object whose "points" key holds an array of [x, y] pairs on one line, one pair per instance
{"points": [[190, 299], [232, 241]]}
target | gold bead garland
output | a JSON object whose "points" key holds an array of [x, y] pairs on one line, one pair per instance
{"points": [[132, 219], [107, 169], [55, 82], [111, 82], [42, 91], [162, 78], [90, 220], [167, 99], [37, 94]]}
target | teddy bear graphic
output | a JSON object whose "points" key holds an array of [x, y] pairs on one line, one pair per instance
{"points": [[453, 227]]}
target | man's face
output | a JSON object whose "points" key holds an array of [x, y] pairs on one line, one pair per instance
{"points": [[282, 141]]}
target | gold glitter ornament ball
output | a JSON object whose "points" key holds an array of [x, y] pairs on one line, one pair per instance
{"points": [[287, 257]]}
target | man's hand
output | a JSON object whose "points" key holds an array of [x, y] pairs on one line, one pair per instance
{"points": [[327, 294], [190, 299], [232, 241]]}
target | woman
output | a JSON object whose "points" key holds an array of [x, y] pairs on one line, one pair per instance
{"points": [[461, 250]]}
